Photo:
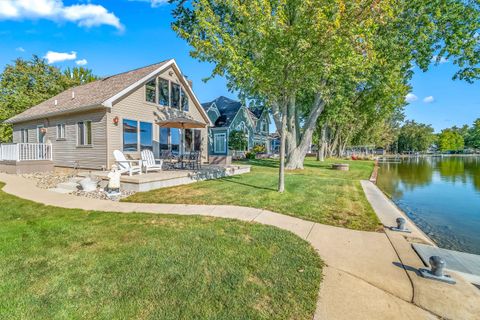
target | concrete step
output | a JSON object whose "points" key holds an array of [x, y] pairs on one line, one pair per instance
{"points": [[72, 186], [60, 190], [76, 179]]}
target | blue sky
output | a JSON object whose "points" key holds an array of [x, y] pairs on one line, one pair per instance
{"points": [[118, 35]]}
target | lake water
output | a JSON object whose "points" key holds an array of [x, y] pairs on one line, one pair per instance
{"points": [[441, 195]]}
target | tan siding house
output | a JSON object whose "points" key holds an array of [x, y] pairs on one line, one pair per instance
{"points": [[87, 123]]}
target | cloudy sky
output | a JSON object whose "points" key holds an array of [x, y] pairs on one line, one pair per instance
{"points": [[112, 36]]}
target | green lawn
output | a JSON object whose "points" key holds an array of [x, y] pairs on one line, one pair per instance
{"points": [[72, 264], [316, 193]]}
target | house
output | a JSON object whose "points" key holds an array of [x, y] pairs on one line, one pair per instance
{"points": [[229, 115], [85, 124]]}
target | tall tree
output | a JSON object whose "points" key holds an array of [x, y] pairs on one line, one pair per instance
{"points": [[415, 137], [450, 140], [297, 54], [78, 75], [26, 83]]}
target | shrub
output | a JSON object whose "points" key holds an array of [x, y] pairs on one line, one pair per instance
{"points": [[258, 149]]}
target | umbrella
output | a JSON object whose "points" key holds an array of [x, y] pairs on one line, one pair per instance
{"points": [[181, 123]]}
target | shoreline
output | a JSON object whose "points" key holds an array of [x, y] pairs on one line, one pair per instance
{"points": [[373, 179]]}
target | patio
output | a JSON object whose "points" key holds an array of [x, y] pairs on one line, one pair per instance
{"points": [[170, 178]]}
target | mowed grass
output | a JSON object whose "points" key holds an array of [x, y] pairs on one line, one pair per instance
{"points": [[316, 193], [72, 264]]}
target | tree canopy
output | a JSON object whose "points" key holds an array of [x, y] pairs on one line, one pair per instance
{"points": [[450, 140], [301, 57], [415, 137], [26, 83]]}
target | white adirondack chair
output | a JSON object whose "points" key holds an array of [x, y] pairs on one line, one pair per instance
{"points": [[150, 163], [125, 166]]}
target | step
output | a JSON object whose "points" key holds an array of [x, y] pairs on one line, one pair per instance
{"points": [[72, 186], [60, 190]]}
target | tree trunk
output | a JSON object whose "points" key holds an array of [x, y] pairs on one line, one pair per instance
{"points": [[323, 142], [281, 170], [296, 155]]}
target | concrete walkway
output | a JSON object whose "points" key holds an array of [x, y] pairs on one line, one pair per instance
{"points": [[364, 277]]}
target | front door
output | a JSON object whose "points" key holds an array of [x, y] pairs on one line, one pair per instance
{"points": [[41, 134]]}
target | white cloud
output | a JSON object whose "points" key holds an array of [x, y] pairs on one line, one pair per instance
{"points": [[442, 60], [411, 98], [429, 99], [53, 56], [20, 49], [154, 3], [81, 62], [86, 15]]}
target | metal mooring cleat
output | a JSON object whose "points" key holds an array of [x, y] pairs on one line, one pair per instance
{"points": [[436, 273], [400, 226]]}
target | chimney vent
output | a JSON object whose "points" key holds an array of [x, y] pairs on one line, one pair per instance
{"points": [[56, 102], [73, 94]]}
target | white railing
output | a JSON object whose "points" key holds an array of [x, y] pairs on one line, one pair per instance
{"points": [[25, 151]]}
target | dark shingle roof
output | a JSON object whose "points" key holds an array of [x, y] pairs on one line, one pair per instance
{"points": [[90, 94], [257, 111], [228, 109]]}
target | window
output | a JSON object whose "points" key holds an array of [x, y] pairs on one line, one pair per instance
{"points": [[184, 100], [164, 133], [84, 133], [219, 142], [175, 96], [146, 138], [24, 135], [163, 97], [130, 135], [60, 131], [198, 140], [150, 91], [188, 140], [175, 135], [264, 126]]}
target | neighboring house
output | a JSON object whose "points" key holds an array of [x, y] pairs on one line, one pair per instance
{"points": [[85, 124], [229, 115]]}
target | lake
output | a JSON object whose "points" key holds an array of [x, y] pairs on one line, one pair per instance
{"points": [[440, 194]]}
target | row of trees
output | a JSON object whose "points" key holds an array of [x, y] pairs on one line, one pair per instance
{"points": [[26, 83], [338, 68], [418, 137]]}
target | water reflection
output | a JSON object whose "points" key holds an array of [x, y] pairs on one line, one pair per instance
{"points": [[441, 194]]}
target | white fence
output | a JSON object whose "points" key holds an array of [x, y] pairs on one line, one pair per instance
{"points": [[25, 151]]}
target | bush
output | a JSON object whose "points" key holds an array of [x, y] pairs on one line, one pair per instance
{"points": [[258, 149], [250, 155]]}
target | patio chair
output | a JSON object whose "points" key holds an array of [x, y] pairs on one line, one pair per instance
{"points": [[149, 161], [125, 166]]}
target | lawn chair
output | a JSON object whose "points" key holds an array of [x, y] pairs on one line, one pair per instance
{"points": [[125, 166], [149, 161]]}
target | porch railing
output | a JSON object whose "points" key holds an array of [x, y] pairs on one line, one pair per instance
{"points": [[25, 151]]}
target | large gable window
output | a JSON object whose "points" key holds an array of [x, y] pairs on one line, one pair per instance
{"points": [[146, 138], [151, 91], [175, 96], [163, 96], [130, 135], [184, 100]]}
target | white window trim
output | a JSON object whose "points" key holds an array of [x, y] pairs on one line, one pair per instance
{"points": [[85, 134], [215, 148], [63, 127]]}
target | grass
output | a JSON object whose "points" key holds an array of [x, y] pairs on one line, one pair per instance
{"points": [[316, 193], [72, 264]]}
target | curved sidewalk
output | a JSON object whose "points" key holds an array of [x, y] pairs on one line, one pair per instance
{"points": [[363, 277]]}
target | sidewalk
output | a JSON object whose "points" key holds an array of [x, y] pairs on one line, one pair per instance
{"points": [[363, 276]]}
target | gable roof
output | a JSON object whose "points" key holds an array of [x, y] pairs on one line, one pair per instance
{"points": [[257, 111], [100, 93], [228, 109]]}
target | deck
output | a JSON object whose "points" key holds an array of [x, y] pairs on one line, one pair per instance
{"points": [[171, 178]]}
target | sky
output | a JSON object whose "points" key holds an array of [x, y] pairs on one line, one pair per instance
{"points": [[113, 36]]}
